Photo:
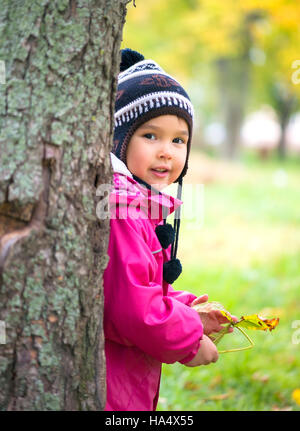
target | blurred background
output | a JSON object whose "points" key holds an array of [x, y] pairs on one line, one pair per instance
{"points": [[240, 239]]}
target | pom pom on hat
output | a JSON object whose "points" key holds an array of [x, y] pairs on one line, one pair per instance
{"points": [[172, 270], [129, 57], [165, 234]]}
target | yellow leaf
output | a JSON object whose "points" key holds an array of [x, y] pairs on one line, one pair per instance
{"points": [[254, 321], [296, 395]]}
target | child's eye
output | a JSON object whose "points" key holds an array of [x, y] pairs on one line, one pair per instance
{"points": [[179, 141], [149, 136]]}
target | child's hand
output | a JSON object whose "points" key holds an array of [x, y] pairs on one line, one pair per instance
{"points": [[206, 354], [211, 320]]}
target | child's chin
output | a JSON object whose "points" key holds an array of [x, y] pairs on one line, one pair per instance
{"points": [[159, 186]]}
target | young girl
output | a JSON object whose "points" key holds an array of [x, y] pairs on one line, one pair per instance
{"points": [[147, 322]]}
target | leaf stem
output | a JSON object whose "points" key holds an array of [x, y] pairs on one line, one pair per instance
{"points": [[240, 348]]}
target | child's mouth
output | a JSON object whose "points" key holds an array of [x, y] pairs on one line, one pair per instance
{"points": [[160, 173]]}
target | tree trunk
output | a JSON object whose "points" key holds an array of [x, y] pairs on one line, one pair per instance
{"points": [[233, 86], [284, 107], [61, 60], [233, 74], [282, 140]]}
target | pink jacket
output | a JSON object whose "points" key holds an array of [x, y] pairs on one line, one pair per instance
{"points": [[146, 322]]}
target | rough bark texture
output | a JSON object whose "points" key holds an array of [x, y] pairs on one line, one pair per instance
{"points": [[62, 60]]}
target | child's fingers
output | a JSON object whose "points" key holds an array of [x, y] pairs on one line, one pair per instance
{"points": [[221, 318], [200, 300]]}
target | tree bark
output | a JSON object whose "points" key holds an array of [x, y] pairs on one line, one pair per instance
{"points": [[61, 60]]}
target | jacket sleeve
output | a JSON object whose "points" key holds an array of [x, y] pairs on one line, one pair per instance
{"points": [[181, 295], [136, 313]]}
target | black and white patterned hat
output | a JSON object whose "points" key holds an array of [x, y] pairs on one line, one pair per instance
{"points": [[146, 91]]}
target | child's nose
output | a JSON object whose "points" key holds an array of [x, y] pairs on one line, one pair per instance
{"points": [[165, 149]]}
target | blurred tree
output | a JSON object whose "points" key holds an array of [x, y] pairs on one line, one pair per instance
{"points": [[277, 41], [56, 124], [284, 103]]}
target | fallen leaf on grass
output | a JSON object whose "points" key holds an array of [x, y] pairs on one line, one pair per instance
{"points": [[163, 400], [281, 409], [216, 380], [296, 396], [264, 378], [191, 386], [220, 397]]}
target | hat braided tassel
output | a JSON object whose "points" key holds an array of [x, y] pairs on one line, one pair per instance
{"points": [[173, 268]]}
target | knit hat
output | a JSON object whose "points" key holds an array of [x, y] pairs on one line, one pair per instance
{"points": [[146, 91]]}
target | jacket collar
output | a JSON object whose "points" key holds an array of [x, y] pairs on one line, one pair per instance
{"points": [[119, 166], [130, 194]]}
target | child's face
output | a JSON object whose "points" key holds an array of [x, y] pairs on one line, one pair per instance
{"points": [[158, 143]]}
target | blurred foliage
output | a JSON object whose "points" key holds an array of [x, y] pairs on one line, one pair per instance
{"points": [[182, 35], [196, 40], [244, 253]]}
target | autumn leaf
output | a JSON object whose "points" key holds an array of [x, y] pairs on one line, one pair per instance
{"points": [[257, 376], [220, 397], [296, 395], [254, 321], [191, 386]]}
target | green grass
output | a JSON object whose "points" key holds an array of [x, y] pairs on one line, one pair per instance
{"points": [[246, 255]]}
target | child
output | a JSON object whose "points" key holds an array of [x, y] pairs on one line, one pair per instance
{"points": [[147, 322]]}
